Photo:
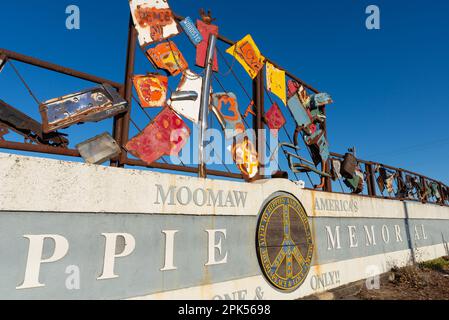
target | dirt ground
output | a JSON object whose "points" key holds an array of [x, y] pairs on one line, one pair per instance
{"points": [[426, 281]]}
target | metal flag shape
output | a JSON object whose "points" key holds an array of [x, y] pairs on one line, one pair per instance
{"points": [[274, 118], [201, 50], [99, 149], [151, 89], [167, 134], [191, 30], [168, 57], [249, 56], [226, 108], [245, 157], [153, 20], [91, 105], [276, 82], [186, 100]]}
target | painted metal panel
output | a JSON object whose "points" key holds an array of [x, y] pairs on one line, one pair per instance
{"points": [[201, 50], [301, 115], [99, 149], [90, 105], [153, 19], [274, 118], [151, 89], [167, 134], [186, 100], [249, 56], [191, 31], [167, 56], [276, 82], [226, 107]]}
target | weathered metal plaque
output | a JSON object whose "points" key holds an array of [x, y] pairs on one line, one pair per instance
{"points": [[167, 134], [201, 50], [151, 89], [168, 57], [91, 105], [301, 114], [274, 118], [182, 101], [153, 20], [99, 149], [226, 107], [249, 56], [29, 128], [284, 243], [191, 31]]}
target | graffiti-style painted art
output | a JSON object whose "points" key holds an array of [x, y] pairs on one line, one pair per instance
{"points": [[166, 135], [91, 105], [167, 56], [274, 118], [226, 107], [285, 258], [191, 30], [153, 19], [248, 55], [201, 50], [276, 82], [151, 89], [245, 157], [187, 98]]}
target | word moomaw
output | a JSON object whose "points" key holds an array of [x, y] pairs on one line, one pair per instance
{"points": [[200, 197]]}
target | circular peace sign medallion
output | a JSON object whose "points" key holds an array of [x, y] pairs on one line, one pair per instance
{"points": [[284, 243]]}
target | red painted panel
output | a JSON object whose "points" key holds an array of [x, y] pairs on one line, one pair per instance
{"points": [[201, 50]]}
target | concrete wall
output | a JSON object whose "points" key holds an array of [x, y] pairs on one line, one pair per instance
{"points": [[76, 231]]}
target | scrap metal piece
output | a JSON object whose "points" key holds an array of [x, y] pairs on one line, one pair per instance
{"points": [[29, 128], [246, 157], [90, 105], [276, 81], [153, 19], [206, 29], [99, 149], [167, 56], [191, 30], [167, 134], [186, 100], [274, 118], [151, 89], [226, 107], [3, 132], [248, 55]]}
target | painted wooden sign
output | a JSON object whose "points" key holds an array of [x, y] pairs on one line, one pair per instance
{"points": [[153, 20], [167, 56], [191, 31], [166, 135], [201, 50], [151, 89], [249, 56]]}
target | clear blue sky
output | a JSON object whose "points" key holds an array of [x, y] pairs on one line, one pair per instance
{"points": [[391, 86]]}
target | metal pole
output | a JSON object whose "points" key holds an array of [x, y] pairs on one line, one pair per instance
{"points": [[123, 123], [258, 99], [204, 108]]}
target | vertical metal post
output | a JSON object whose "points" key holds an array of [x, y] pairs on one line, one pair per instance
{"points": [[424, 196], [204, 107], [370, 180], [259, 101], [327, 181], [122, 124]]}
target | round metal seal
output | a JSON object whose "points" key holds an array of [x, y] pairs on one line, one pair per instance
{"points": [[284, 243]]}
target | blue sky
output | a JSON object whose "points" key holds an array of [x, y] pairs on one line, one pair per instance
{"points": [[390, 86]]}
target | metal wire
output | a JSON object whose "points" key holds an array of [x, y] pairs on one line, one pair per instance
{"points": [[24, 82]]}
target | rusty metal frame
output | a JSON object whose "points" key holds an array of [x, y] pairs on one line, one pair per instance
{"points": [[122, 122]]}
